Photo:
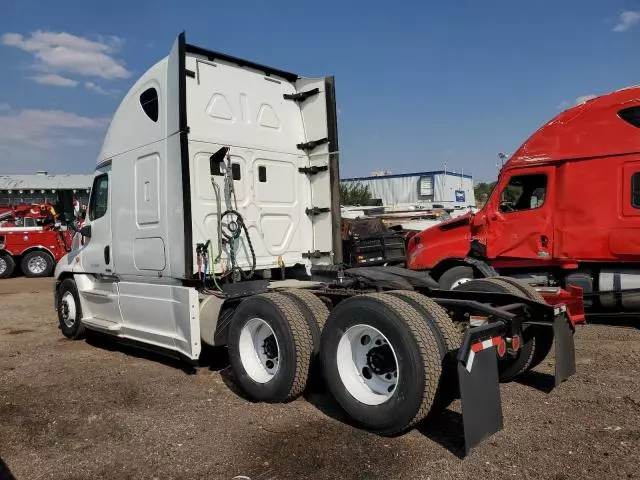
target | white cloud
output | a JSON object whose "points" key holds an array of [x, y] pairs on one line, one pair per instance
{"points": [[563, 105], [63, 52], [53, 79], [584, 98], [99, 90], [4, 107], [627, 20], [48, 129]]}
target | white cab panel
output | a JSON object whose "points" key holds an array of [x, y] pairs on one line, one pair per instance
{"points": [[163, 315], [99, 301], [245, 110]]}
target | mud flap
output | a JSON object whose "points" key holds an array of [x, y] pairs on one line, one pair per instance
{"points": [[480, 397], [565, 349]]}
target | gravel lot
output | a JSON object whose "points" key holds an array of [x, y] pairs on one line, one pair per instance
{"points": [[95, 409]]}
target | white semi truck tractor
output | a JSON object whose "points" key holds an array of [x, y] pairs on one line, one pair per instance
{"points": [[214, 219]]}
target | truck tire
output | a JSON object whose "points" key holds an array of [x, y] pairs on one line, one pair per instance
{"points": [[314, 310], [509, 367], [449, 340], [455, 276], [381, 362], [7, 265], [315, 313], [544, 335], [270, 348], [37, 264], [70, 310]]}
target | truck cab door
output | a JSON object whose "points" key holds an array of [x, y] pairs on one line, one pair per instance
{"points": [[96, 256], [520, 216]]}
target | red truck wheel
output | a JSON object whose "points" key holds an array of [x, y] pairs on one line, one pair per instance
{"points": [[454, 277], [37, 264], [7, 265]]}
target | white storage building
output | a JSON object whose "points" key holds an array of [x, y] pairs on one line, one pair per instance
{"points": [[444, 188]]}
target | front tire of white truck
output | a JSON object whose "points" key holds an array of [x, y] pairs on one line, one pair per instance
{"points": [[70, 310], [270, 348], [381, 362]]}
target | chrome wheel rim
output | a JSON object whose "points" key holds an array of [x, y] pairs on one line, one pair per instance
{"points": [[37, 265], [68, 309], [459, 282], [259, 350], [367, 365], [3, 266]]}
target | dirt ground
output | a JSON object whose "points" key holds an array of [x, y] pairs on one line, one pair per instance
{"points": [[95, 409]]}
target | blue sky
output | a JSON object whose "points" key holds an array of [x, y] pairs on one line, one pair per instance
{"points": [[418, 83]]}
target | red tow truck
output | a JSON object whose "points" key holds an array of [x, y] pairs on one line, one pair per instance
{"points": [[32, 240], [565, 212]]}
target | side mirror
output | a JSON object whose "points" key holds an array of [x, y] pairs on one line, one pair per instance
{"points": [[85, 231]]}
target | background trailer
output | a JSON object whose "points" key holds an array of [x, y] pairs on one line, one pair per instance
{"points": [[449, 189]]}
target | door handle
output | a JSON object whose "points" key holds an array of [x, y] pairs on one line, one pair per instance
{"points": [[544, 241], [107, 255]]}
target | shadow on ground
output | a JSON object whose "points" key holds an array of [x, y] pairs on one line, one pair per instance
{"points": [[623, 320], [5, 473], [446, 429], [321, 450], [212, 358], [543, 382]]}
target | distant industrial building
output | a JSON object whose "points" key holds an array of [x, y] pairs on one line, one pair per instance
{"points": [[443, 188], [58, 190]]}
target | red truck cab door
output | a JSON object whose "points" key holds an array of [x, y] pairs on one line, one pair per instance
{"points": [[519, 218]]}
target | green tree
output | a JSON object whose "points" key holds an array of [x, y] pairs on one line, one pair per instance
{"points": [[355, 194], [482, 190]]}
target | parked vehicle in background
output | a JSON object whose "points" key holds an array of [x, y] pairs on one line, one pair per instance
{"points": [[31, 240], [565, 211]]}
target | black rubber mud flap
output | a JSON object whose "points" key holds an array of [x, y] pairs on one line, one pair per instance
{"points": [[565, 349], [480, 397]]}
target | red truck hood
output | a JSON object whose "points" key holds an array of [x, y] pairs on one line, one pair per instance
{"points": [[449, 239]]}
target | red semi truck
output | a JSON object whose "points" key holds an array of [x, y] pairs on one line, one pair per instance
{"points": [[565, 211]]}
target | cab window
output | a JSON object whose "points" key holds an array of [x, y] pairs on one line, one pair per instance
{"points": [[524, 192], [99, 197]]}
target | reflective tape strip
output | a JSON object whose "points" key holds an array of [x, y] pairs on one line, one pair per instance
{"points": [[476, 321], [478, 347], [557, 310]]}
